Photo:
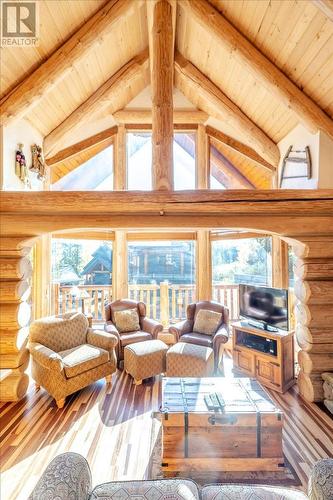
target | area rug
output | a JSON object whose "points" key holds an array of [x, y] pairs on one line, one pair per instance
{"points": [[286, 476]]}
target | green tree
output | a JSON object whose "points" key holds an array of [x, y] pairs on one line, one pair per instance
{"points": [[71, 257], [253, 256]]}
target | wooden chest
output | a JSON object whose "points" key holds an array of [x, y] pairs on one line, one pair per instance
{"points": [[245, 435]]}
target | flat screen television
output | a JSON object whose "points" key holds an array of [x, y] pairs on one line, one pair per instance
{"points": [[269, 306]]}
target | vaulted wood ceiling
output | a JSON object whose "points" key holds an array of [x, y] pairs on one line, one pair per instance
{"points": [[294, 35]]}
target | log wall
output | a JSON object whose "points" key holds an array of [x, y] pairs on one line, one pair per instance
{"points": [[15, 312], [314, 313]]}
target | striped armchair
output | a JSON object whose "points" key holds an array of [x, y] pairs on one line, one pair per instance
{"points": [[67, 355]]}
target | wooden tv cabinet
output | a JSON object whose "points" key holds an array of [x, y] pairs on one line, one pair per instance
{"points": [[273, 369]]}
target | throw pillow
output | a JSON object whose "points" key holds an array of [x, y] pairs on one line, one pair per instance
{"points": [[127, 320], [207, 322]]}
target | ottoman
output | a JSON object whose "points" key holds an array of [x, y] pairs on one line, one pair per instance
{"points": [[145, 359], [189, 360], [167, 338]]}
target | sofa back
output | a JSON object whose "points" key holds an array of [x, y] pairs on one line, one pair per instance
{"points": [[162, 489], [60, 332], [75, 482]]}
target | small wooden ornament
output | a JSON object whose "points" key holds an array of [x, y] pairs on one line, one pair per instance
{"points": [[38, 163]]}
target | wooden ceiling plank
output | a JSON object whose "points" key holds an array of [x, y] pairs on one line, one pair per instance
{"points": [[326, 7], [98, 100], [239, 147], [28, 93], [307, 111], [161, 28], [189, 75], [79, 147], [144, 116]]}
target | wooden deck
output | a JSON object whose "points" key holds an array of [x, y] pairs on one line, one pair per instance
{"points": [[114, 430]]}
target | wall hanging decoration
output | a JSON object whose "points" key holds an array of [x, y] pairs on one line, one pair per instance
{"points": [[21, 169], [38, 163], [296, 164]]}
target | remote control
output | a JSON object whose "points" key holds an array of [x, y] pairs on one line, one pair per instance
{"points": [[220, 400], [209, 403], [215, 401]]}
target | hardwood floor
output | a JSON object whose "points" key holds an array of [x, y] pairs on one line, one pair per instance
{"points": [[114, 430]]}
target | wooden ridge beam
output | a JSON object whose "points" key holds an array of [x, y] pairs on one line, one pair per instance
{"points": [[187, 76], [79, 147], [258, 65], [239, 147], [28, 93], [161, 28], [98, 100], [144, 116]]}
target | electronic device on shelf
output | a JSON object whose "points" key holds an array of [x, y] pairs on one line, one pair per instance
{"points": [[262, 344], [264, 307]]}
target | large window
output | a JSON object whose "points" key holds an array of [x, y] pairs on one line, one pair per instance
{"points": [[162, 274], [246, 260], [139, 161], [235, 261], [95, 174], [81, 275], [184, 160], [291, 267], [218, 178]]}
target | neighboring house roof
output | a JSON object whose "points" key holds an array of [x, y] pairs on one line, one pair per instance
{"points": [[68, 276], [101, 256]]}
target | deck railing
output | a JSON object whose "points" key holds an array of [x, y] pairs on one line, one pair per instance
{"points": [[64, 301], [164, 302], [228, 295]]}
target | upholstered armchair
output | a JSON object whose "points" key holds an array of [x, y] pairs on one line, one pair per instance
{"points": [[67, 355], [186, 331], [144, 329]]}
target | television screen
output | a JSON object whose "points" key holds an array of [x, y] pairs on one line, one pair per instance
{"points": [[268, 305]]}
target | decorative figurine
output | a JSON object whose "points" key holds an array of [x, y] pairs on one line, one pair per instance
{"points": [[38, 163], [21, 169]]}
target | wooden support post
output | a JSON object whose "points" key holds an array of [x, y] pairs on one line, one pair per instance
{"points": [[202, 158], [314, 314], [119, 160], [161, 48], [15, 273], [280, 274], [119, 266], [204, 265]]}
